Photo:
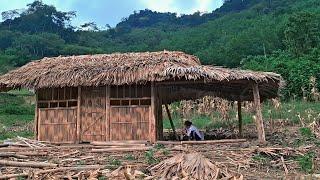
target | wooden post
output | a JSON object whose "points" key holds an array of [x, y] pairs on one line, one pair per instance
{"points": [[36, 117], [107, 113], [171, 122], [78, 116], [152, 119], [240, 118], [259, 120]]}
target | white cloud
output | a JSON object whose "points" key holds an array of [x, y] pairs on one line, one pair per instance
{"points": [[174, 6], [161, 6]]}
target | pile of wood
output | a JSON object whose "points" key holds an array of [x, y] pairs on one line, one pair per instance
{"points": [[188, 166], [115, 160]]}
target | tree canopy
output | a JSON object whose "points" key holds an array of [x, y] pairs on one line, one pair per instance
{"points": [[271, 35]]}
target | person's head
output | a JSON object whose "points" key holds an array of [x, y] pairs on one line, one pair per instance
{"points": [[187, 123]]}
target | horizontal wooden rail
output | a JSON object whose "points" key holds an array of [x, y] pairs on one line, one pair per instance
{"points": [[222, 141]]}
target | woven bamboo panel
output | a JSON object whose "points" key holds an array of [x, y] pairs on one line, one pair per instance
{"points": [[58, 124], [129, 123], [93, 114]]}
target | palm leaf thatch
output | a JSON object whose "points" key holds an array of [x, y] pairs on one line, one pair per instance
{"points": [[127, 68]]}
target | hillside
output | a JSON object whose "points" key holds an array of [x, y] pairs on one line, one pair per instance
{"points": [[254, 34]]}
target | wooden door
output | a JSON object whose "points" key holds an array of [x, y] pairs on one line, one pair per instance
{"points": [[129, 123], [93, 114], [57, 124]]}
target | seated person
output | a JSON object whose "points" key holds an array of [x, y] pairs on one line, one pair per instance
{"points": [[192, 133]]}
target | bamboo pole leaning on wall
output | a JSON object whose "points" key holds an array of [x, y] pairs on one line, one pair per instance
{"points": [[259, 120], [171, 122]]}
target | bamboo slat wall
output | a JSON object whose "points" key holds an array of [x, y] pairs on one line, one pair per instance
{"points": [[93, 114], [129, 123], [58, 125], [57, 114], [130, 112], [99, 114]]}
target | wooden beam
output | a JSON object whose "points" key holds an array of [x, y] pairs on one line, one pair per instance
{"points": [[78, 115], [152, 118], [259, 120], [240, 119], [171, 122], [222, 141], [36, 117], [107, 113]]}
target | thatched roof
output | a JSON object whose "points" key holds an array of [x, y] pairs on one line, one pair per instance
{"points": [[125, 68]]}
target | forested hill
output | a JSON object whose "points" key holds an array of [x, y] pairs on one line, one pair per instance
{"points": [[272, 35]]}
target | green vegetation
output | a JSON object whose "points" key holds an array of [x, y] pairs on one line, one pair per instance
{"points": [[149, 156], [292, 111], [261, 159], [306, 162], [115, 162], [129, 157], [280, 35], [16, 114]]}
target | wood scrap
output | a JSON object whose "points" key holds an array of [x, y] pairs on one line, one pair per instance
{"points": [[12, 154], [87, 167], [223, 141], [26, 164], [122, 149], [4, 145], [118, 143], [186, 166]]}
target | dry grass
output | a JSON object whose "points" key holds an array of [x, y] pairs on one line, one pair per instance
{"points": [[133, 68]]}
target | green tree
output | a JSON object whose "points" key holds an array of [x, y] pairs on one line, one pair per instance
{"points": [[302, 32]]}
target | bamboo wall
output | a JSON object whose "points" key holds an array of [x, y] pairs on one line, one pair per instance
{"points": [[57, 114], [106, 113]]}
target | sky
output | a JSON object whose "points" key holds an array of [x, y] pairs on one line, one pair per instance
{"points": [[112, 11]]}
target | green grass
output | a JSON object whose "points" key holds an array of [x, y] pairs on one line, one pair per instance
{"points": [[306, 162], [16, 114]]}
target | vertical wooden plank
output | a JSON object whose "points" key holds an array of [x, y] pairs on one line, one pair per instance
{"points": [[107, 112], [35, 130], [152, 119], [160, 121], [78, 139], [240, 118], [38, 124], [259, 120]]}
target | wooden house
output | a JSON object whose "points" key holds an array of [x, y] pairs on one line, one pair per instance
{"points": [[116, 97]]}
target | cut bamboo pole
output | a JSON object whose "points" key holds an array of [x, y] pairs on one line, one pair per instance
{"points": [[4, 145], [222, 141], [13, 154], [259, 120], [27, 164], [118, 143], [122, 149], [171, 122], [78, 168]]}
